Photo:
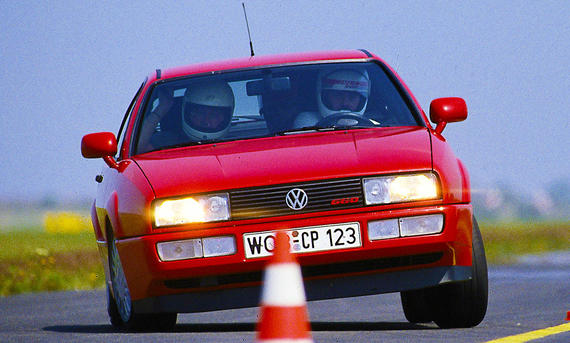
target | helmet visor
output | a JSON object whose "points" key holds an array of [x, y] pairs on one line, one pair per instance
{"points": [[341, 100], [207, 119]]}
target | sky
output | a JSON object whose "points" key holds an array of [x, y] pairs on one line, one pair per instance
{"points": [[69, 68]]}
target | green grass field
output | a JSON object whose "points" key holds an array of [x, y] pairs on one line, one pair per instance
{"points": [[506, 241], [33, 261], [43, 259]]}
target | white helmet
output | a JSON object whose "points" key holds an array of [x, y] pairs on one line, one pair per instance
{"points": [[347, 81], [207, 110]]}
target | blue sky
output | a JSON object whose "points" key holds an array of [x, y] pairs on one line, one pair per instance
{"points": [[71, 67]]}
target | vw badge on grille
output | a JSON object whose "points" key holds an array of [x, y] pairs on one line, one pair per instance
{"points": [[296, 199]]}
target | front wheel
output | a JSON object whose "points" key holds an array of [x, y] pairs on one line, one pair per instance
{"points": [[415, 306], [119, 303], [463, 304], [455, 305]]}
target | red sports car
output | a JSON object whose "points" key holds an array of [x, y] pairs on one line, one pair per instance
{"points": [[214, 158]]}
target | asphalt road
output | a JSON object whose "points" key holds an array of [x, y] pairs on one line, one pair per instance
{"points": [[522, 298]]}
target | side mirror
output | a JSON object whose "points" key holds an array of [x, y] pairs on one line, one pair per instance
{"points": [[447, 110], [100, 145]]}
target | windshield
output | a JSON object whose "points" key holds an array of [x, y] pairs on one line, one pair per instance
{"points": [[270, 101]]}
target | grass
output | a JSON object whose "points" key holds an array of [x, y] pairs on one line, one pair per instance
{"points": [[43, 259], [506, 241], [36, 260]]}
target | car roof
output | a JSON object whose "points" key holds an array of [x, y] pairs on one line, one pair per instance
{"points": [[257, 61]]}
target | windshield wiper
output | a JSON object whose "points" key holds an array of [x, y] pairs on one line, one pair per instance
{"points": [[306, 129], [303, 130], [191, 143], [350, 127]]}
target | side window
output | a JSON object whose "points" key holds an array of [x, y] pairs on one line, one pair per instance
{"points": [[128, 113]]}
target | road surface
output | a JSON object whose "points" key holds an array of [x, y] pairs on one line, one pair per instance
{"points": [[523, 298]]}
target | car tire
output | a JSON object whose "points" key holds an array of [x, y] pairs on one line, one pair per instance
{"points": [[120, 306], [415, 306], [462, 304], [112, 310]]}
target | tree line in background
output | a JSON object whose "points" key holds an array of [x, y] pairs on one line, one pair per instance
{"points": [[503, 202]]}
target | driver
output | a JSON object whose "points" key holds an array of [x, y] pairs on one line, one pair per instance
{"points": [[207, 110], [338, 91]]}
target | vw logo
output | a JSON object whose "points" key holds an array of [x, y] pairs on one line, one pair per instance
{"points": [[296, 199]]}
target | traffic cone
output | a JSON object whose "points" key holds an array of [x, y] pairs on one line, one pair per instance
{"points": [[283, 314]]}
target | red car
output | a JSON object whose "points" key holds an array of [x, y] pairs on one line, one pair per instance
{"points": [[332, 147]]}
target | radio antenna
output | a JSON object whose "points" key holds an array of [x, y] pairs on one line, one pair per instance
{"points": [[248, 33]]}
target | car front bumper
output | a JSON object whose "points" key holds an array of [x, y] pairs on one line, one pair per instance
{"points": [[234, 281]]}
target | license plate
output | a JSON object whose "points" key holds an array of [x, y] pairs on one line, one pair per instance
{"points": [[306, 239]]}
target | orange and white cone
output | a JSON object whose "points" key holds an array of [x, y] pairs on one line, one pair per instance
{"points": [[283, 315]]}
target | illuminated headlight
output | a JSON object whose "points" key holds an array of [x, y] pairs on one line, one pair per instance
{"points": [[196, 248], [197, 209], [400, 188]]}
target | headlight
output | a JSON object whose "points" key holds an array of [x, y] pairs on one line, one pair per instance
{"points": [[197, 209], [400, 188]]}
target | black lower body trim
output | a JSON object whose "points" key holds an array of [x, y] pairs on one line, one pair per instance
{"points": [[310, 271], [330, 288]]}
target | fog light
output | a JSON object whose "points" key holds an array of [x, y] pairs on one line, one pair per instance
{"points": [[421, 225], [383, 229], [219, 246], [179, 250]]}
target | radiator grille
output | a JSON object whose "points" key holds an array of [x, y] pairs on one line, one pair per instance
{"points": [[270, 201]]}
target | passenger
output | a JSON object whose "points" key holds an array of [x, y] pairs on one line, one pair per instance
{"points": [[339, 91], [207, 110]]}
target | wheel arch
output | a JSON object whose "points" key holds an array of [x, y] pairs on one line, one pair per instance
{"points": [[112, 210], [466, 193]]}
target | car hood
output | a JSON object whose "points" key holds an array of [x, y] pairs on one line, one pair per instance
{"points": [[286, 159]]}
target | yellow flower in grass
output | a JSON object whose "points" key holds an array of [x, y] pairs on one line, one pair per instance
{"points": [[65, 222]]}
